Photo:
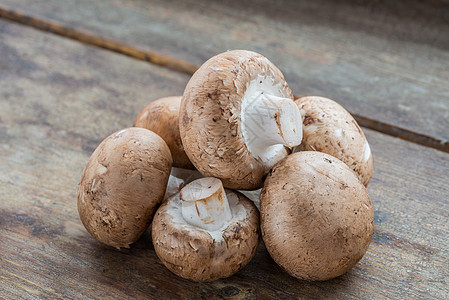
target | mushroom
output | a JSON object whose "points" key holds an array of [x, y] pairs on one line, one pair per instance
{"points": [[329, 128], [161, 117], [205, 232], [122, 185], [237, 118], [316, 216]]}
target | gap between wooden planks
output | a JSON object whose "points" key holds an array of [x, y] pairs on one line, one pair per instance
{"points": [[188, 68]]}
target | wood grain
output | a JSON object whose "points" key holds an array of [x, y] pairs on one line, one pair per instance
{"points": [[387, 62], [60, 98], [86, 38]]}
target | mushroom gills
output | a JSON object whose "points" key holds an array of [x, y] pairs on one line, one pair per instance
{"points": [[205, 204], [270, 121]]}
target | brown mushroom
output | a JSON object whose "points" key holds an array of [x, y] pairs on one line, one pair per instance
{"points": [[316, 216], [205, 233], [237, 118], [329, 128], [122, 185], [161, 117]]}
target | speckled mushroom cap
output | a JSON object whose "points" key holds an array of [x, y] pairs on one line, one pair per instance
{"points": [[329, 128], [161, 117], [316, 216], [210, 116], [122, 185], [199, 255]]}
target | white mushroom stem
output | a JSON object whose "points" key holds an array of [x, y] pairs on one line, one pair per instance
{"points": [[204, 204], [271, 120], [268, 121]]}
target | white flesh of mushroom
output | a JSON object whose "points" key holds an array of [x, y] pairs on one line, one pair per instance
{"points": [[204, 204], [238, 213], [366, 152], [269, 120], [178, 178], [253, 196]]}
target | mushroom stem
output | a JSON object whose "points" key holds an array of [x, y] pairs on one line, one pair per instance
{"points": [[204, 204], [268, 120]]}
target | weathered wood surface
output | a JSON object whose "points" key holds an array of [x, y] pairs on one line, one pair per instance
{"points": [[386, 61], [59, 98]]}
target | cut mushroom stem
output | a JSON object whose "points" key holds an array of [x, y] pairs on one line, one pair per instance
{"points": [[204, 204], [268, 120]]}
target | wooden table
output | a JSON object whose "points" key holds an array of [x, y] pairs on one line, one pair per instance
{"points": [[72, 72]]}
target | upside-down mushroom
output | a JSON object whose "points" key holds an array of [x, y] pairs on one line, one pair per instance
{"points": [[205, 232]]}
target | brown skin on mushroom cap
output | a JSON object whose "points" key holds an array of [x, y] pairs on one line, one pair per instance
{"points": [[198, 254], [161, 117], [211, 118], [122, 185], [329, 128], [316, 216]]}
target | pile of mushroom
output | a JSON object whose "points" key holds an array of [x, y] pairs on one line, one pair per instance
{"points": [[205, 232], [237, 126]]}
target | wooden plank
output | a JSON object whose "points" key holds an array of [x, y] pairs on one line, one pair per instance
{"points": [[386, 62], [98, 41], [60, 98]]}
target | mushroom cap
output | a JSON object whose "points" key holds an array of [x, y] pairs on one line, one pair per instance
{"points": [[200, 255], [161, 117], [122, 185], [316, 216], [329, 128], [210, 122]]}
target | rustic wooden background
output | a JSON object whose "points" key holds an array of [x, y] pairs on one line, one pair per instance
{"points": [[72, 72]]}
